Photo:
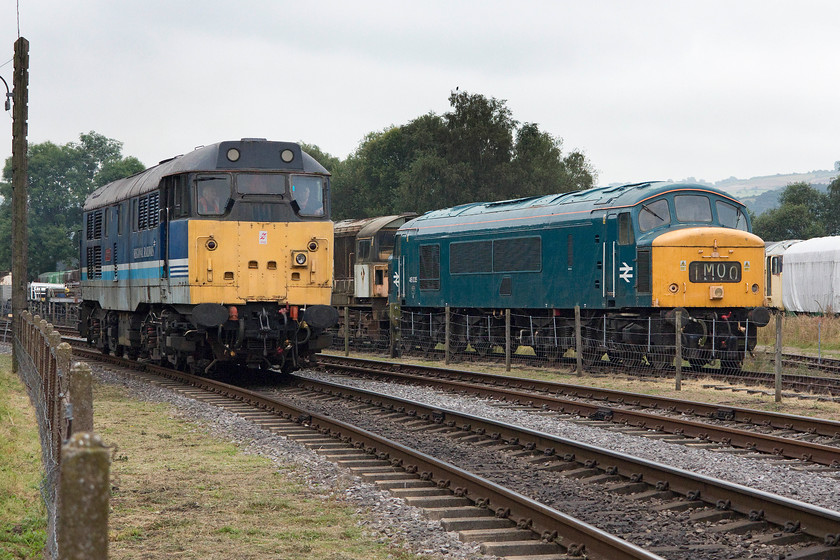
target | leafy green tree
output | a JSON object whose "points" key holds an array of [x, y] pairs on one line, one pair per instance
{"points": [[832, 214], [476, 152], [60, 178], [801, 215]]}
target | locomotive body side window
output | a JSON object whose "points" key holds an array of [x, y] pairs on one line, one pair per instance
{"points": [[730, 216], [693, 208], [654, 214], [430, 267]]}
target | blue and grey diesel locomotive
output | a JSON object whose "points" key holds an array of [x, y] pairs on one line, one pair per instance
{"points": [[628, 256], [219, 256]]}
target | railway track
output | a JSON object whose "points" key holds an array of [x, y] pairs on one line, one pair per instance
{"points": [[772, 433], [508, 524], [448, 492], [726, 507]]}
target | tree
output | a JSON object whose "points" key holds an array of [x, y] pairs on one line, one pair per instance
{"points": [[60, 178], [474, 153], [801, 215], [832, 214]]}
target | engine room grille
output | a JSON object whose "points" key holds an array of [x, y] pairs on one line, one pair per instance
{"points": [[520, 254], [471, 257], [94, 262], [94, 225]]}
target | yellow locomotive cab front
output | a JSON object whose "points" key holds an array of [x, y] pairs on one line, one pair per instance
{"points": [[238, 262], [707, 267]]}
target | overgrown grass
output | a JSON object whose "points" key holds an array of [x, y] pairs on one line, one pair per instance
{"points": [[805, 332], [23, 519]]}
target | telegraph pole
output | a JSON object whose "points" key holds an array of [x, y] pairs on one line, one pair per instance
{"points": [[20, 180]]}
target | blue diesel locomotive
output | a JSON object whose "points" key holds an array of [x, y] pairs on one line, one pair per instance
{"points": [[219, 256], [628, 256]]}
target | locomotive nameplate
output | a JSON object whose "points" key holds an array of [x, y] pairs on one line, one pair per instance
{"points": [[714, 272]]}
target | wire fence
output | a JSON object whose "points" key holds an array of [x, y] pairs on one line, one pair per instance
{"points": [[717, 346], [72, 457]]}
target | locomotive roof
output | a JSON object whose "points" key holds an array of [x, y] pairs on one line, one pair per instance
{"points": [[368, 226], [554, 207], [256, 154]]}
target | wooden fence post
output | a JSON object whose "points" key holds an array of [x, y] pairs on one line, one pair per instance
{"points": [[578, 343], [84, 487], [346, 331], [678, 352], [778, 366], [507, 339], [446, 334]]}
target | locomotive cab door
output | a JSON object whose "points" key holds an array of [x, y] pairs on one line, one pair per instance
{"points": [[167, 194], [618, 258]]}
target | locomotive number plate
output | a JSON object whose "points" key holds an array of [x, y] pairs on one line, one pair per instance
{"points": [[708, 272]]}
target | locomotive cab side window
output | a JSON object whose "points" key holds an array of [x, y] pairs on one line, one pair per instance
{"points": [[654, 214], [178, 196], [363, 249], [212, 194], [693, 208]]}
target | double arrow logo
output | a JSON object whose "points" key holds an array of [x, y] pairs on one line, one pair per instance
{"points": [[626, 272]]}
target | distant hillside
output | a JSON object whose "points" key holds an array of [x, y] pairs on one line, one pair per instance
{"points": [[762, 193]]}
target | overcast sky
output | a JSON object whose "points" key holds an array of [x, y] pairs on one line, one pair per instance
{"points": [[646, 89]]}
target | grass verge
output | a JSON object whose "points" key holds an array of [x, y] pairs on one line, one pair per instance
{"points": [[179, 492], [23, 518]]}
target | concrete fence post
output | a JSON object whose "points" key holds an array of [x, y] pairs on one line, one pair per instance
{"points": [[81, 397], [84, 487]]}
